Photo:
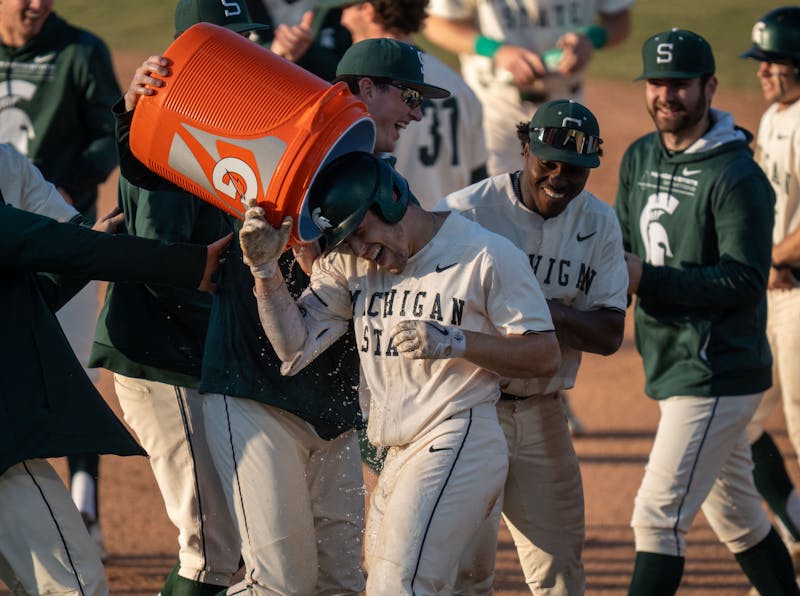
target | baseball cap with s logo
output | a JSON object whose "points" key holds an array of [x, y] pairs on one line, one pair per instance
{"points": [[676, 54]]}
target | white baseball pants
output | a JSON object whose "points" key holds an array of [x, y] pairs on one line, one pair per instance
{"points": [[44, 545], [431, 498], [700, 458], [542, 504], [296, 499], [168, 420]]}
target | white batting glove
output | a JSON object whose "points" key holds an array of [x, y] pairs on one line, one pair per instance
{"points": [[262, 245], [426, 339]]}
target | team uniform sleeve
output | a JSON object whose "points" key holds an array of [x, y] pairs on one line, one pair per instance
{"points": [[99, 84], [614, 6], [25, 187], [327, 309], [514, 302], [744, 217]]}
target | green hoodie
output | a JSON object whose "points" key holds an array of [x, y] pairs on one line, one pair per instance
{"points": [[701, 220], [57, 91]]}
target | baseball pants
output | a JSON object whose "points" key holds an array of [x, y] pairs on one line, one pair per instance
{"points": [[297, 500], [168, 420], [783, 332], [45, 548], [542, 504], [432, 496], [700, 458]]}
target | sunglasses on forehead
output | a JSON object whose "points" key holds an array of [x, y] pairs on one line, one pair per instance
{"points": [[411, 97], [562, 138]]}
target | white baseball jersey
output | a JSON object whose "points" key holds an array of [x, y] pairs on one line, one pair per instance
{"points": [[577, 257], [536, 25], [26, 190], [533, 24], [438, 154], [778, 154], [465, 276]]}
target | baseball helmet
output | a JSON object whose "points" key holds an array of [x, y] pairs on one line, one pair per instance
{"points": [[776, 36], [346, 188]]}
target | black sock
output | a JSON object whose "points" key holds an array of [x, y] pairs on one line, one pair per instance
{"points": [[655, 575], [768, 567], [772, 481]]}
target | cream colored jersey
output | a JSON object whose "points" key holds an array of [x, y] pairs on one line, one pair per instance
{"points": [[438, 154], [577, 257], [533, 24], [778, 154], [465, 276]]}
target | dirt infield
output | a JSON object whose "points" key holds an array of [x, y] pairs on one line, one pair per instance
{"points": [[619, 420]]}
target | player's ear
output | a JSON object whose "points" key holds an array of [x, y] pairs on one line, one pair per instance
{"points": [[366, 89]]}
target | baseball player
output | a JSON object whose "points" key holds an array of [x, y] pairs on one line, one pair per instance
{"points": [[446, 150], [305, 32], [696, 214], [152, 339], [574, 247], [50, 407], [502, 46], [441, 307], [776, 46], [284, 451], [57, 86]]}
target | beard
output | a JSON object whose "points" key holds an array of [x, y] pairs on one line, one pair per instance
{"points": [[691, 115]]}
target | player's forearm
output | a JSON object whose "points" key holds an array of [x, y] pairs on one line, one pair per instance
{"points": [[514, 356], [596, 331], [617, 26], [280, 317], [455, 36], [787, 252]]}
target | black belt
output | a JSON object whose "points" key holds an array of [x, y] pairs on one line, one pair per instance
{"points": [[538, 97]]}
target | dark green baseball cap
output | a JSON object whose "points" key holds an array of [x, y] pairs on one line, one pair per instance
{"points": [[232, 14], [676, 54], [565, 131], [385, 58]]}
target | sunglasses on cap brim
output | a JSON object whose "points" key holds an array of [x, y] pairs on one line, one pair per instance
{"points": [[411, 97], [568, 138]]}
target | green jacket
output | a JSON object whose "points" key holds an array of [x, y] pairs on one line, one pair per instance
{"points": [[50, 407], [702, 222], [156, 332], [58, 90]]}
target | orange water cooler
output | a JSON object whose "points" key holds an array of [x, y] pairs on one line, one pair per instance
{"points": [[236, 122]]}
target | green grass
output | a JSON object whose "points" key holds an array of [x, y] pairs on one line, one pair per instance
{"points": [[146, 26]]}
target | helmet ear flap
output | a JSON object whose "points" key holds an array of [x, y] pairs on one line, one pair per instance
{"points": [[392, 195]]}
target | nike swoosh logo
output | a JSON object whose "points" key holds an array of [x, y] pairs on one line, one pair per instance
{"points": [[439, 268], [781, 137], [688, 172], [580, 238], [433, 449], [44, 58]]}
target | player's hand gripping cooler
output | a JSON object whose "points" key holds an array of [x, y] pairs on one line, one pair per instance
{"points": [[236, 122]]}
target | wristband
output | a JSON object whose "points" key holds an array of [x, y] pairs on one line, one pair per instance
{"points": [[597, 34], [486, 46]]}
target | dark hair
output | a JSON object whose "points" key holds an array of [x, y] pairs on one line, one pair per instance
{"points": [[404, 17]]}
